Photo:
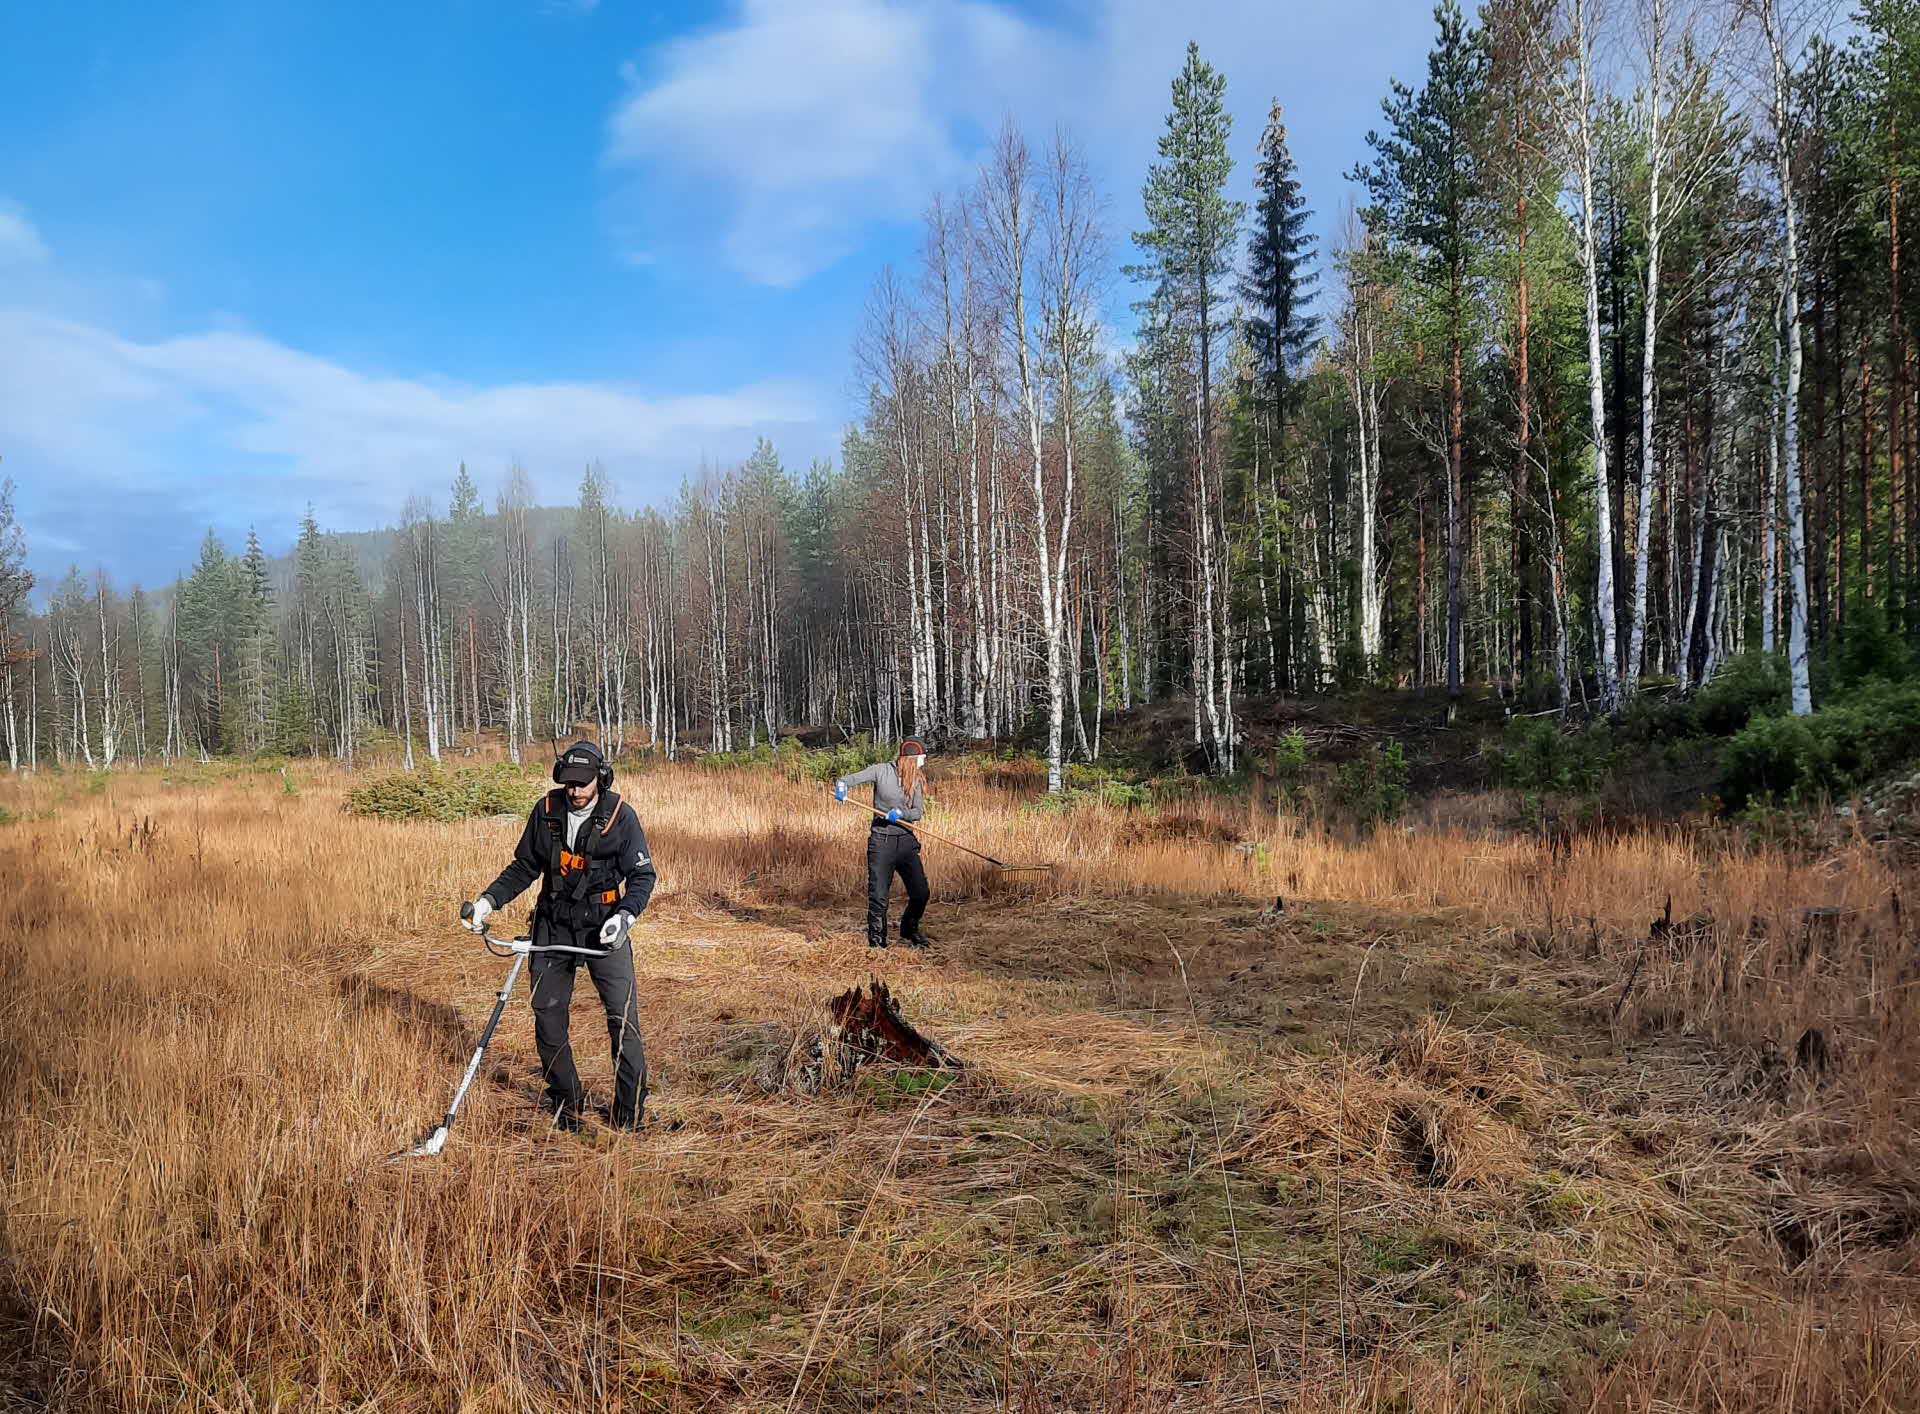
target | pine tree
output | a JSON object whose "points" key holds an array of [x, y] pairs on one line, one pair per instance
{"points": [[1192, 229], [1425, 184]]}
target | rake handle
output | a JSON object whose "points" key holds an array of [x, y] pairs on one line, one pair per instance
{"points": [[920, 830]]}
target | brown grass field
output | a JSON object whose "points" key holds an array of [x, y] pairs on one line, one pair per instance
{"points": [[1454, 1132]]}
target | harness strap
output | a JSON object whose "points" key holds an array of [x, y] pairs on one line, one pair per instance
{"points": [[562, 861]]}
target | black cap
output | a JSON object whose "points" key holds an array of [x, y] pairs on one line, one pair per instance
{"points": [[580, 766]]}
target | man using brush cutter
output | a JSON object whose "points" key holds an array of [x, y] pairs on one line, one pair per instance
{"points": [[584, 843]]}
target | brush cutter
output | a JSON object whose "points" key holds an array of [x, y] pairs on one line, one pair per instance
{"points": [[518, 949], [997, 864]]}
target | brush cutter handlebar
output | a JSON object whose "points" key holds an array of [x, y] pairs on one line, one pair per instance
{"points": [[510, 947]]}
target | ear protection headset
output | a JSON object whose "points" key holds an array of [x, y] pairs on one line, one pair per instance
{"points": [[605, 770]]}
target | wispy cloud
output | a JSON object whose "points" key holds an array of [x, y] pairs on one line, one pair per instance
{"points": [[808, 119], [85, 397], [146, 441], [20, 242], [792, 130]]}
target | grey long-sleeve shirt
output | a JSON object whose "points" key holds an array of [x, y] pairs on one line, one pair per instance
{"points": [[887, 794]]}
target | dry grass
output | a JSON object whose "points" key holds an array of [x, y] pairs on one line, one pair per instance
{"points": [[228, 1004]]}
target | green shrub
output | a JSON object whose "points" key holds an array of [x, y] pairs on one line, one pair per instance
{"points": [[1750, 686], [1120, 795], [1844, 747], [1289, 757], [1125, 795], [1869, 651], [1107, 784], [1373, 786], [1770, 760], [797, 763], [1535, 755], [432, 794]]}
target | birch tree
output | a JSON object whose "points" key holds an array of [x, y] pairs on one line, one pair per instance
{"points": [[1777, 28], [1584, 147]]}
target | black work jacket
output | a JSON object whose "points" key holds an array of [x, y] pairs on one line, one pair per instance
{"points": [[608, 867]]}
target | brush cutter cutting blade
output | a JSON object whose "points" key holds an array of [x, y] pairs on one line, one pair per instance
{"points": [[433, 1144]]}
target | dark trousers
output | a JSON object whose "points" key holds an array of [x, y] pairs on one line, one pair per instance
{"points": [[553, 974], [889, 854]]}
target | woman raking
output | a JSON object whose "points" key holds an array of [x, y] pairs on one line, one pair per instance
{"points": [[899, 790]]}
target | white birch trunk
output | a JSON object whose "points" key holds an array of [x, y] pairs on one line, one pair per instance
{"points": [[1603, 609], [1656, 163], [1769, 510], [1790, 419], [109, 679]]}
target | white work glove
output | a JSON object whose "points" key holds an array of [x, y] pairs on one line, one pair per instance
{"points": [[482, 910], [614, 931], [521, 945]]}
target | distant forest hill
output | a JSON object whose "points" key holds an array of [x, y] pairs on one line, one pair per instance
{"points": [[1611, 381], [372, 551]]}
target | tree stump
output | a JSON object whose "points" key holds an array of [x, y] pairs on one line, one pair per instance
{"points": [[863, 1025]]}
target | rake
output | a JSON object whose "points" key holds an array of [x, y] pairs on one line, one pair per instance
{"points": [[996, 863]]}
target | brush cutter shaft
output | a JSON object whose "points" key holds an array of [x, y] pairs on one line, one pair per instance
{"points": [[486, 1039]]}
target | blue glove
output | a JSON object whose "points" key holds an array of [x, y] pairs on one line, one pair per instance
{"points": [[839, 790], [893, 817]]}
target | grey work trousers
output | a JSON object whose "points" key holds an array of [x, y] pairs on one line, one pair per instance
{"points": [[613, 978]]}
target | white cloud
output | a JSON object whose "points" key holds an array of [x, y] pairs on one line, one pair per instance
{"points": [[807, 119], [204, 419], [20, 242], [792, 130]]}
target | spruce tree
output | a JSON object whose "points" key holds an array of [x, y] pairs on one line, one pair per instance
{"points": [[16, 580], [250, 707], [1277, 332], [206, 606], [1280, 275]]}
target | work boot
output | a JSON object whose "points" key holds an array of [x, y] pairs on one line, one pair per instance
{"points": [[917, 939], [876, 938], [567, 1120], [622, 1122]]}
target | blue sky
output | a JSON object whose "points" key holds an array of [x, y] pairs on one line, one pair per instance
{"points": [[259, 255]]}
